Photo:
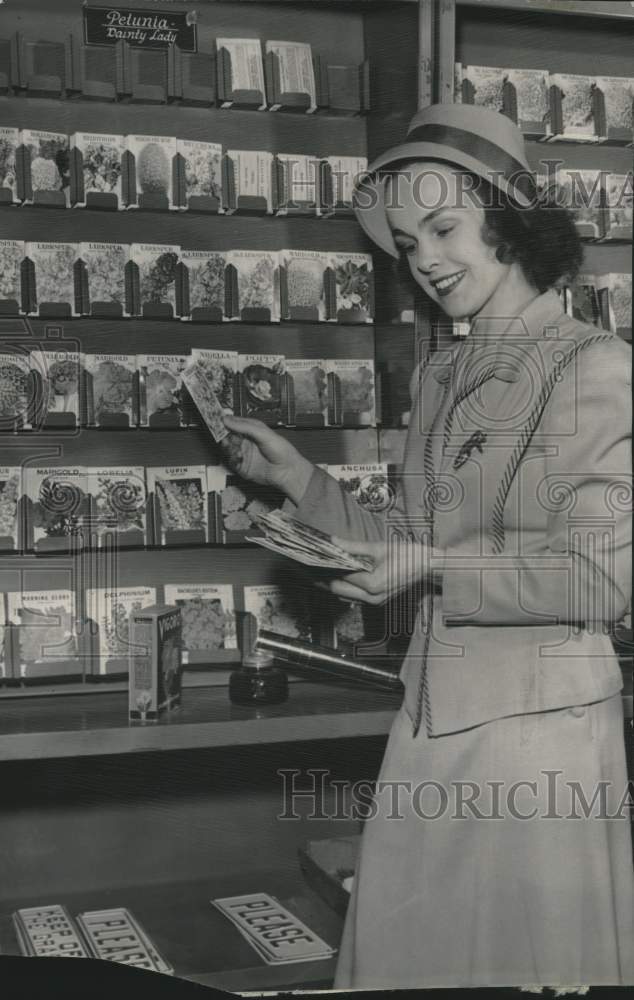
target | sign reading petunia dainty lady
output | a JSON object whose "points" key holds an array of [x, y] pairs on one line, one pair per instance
{"points": [[141, 28]]}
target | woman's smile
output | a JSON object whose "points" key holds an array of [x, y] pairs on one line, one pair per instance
{"points": [[445, 285]]}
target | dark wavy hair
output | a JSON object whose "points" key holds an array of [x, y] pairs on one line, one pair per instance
{"points": [[542, 238]]}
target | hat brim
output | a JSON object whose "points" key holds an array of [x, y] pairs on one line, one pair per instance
{"points": [[370, 209]]}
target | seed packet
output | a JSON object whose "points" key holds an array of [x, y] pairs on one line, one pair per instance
{"points": [[277, 610], [457, 83], [204, 286], [255, 286], [263, 387], [46, 170], [367, 484], [9, 142], [220, 371], [103, 268], [60, 375], [10, 494], [617, 200], [110, 610], [96, 160], [235, 505], [248, 182], [179, 504], [57, 505], [45, 639], [11, 258], [580, 191], [307, 392], [296, 184], [582, 299], [208, 620], [154, 280], [291, 76], [528, 103], [151, 180], [574, 109], [351, 392], [162, 400], [18, 393], [338, 181], [304, 290], [118, 505], [617, 100], [54, 285], [200, 175], [111, 390], [241, 73], [483, 85], [615, 297], [354, 282]]}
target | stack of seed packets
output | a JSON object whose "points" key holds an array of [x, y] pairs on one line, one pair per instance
{"points": [[115, 936], [48, 932], [310, 546], [277, 935]]}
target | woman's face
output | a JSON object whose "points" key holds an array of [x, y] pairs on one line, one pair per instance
{"points": [[436, 224]]}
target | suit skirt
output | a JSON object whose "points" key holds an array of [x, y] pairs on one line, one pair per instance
{"points": [[500, 855]]}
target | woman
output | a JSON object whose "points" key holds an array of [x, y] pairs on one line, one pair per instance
{"points": [[492, 859]]}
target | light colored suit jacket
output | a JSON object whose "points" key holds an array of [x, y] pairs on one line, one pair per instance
{"points": [[520, 435]]}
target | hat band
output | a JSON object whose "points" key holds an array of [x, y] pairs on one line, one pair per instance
{"points": [[514, 172]]}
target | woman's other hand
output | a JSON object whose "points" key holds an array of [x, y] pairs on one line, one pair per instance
{"points": [[399, 564], [258, 453]]}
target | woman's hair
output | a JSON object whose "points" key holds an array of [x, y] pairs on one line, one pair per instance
{"points": [[541, 238]]}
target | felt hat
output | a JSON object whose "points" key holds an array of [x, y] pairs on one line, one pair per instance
{"points": [[477, 139]]}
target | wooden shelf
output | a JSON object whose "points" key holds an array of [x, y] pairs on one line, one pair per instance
{"points": [[198, 941], [96, 724]]}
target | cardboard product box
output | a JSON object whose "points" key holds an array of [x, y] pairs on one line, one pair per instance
{"points": [[155, 661]]}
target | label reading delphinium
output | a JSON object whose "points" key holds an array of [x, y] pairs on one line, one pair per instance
{"points": [[238, 503], [247, 66], [10, 493], [354, 390], [44, 621], [277, 610], [297, 182], [58, 503], [11, 257], [208, 618], [309, 391], [111, 389], [202, 168], [9, 142], [219, 369], [105, 265], [577, 107], [532, 95], [61, 372], [344, 171], [252, 174], [111, 610], [15, 391], [54, 269], [161, 389], [153, 166], [618, 98], [180, 496], [157, 275], [49, 163], [367, 484], [295, 68], [354, 286], [304, 282], [484, 86], [262, 376], [118, 501], [101, 156], [257, 282], [618, 198], [205, 271]]}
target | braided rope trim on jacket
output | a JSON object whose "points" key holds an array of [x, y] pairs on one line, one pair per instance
{"points": [[497, 518]]}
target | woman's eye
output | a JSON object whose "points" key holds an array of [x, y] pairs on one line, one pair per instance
{"points": [[445, 231], [407, 248]]}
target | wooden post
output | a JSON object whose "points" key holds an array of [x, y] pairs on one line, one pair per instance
{"points": [[426, 32], [446, 10]]}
